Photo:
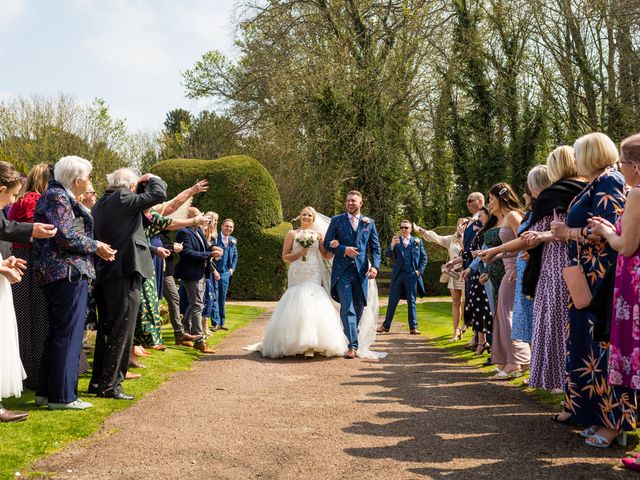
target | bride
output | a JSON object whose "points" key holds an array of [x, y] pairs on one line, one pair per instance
{"points": [[306, 320]]}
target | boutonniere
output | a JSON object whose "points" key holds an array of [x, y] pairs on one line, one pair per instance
{"points": [[416, 241], [365, 220], [233, 241]]}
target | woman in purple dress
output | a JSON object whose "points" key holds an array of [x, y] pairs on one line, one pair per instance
{"points": [[624, 237], [543, 277]]}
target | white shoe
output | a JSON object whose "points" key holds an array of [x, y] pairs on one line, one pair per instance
{"points": [[77, 405]]}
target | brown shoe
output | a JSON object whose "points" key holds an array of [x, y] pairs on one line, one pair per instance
{"points": [[186, 337], [203, 347], [7, 416], [184, 344], [351, 353], [132, 376], [382, 329], [413, 331]]}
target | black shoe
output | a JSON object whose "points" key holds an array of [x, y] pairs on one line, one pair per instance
{"points": [[117, 394], [93, 388], [222, 327]]}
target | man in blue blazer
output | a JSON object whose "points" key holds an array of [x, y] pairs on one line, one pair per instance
{"points": [[410, 260], [225, 267], [351, 269], [192, 269]]}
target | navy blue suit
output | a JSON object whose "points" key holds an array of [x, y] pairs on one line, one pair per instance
{"points": [[349, 283], [195, 254], [407, 261], [227, 262]]}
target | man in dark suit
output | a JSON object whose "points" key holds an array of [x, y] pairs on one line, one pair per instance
{"points": [[192, 269], [225, 267], [410, 260], [118, 217]]}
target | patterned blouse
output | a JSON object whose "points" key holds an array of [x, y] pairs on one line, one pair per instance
{"points": [[70, 251]]}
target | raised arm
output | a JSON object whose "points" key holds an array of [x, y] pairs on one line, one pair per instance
{"points": [[156, 193], [176, 202]]}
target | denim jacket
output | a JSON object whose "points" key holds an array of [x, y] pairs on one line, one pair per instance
{"points": [[70, 252]]}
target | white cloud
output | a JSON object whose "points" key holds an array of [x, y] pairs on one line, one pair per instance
{"points": [[11, 11]]}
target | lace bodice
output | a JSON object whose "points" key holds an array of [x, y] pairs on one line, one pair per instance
{"points": [[306, 271]]}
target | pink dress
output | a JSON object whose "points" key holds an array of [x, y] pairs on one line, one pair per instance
{"points": [[624, 353]]}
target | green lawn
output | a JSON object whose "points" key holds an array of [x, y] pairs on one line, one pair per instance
{"points": [[47, 431]]}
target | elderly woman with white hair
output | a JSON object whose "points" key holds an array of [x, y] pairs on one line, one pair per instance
{"points": [[62, 266]]}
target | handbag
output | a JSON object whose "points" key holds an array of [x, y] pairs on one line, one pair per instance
{"points": [[577, 284]]}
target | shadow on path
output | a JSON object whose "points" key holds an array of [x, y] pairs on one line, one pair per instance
{"points": [[461, 424]]}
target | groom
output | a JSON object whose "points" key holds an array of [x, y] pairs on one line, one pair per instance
{"points": [[351, 271]]}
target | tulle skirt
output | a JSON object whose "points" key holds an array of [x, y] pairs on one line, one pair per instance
{"points": [[304, 319], [11, 371]]}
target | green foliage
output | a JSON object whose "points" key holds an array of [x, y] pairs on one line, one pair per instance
{"points": [[206, 136], [36, 130], [241, 189]]}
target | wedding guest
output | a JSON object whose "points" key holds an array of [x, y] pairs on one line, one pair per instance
{"points": [[410, 260], [62, 265], [11, 271], [522, 318], [508, 355], [453, 243], [589, 398], [170, 293], [226, 267], [210, 300], [28, 299], [192, 269], [475, 201], [477, 307], [148, 331], [543, 277], [88, 197], [88, 200], [624, 237], [118, 219]]}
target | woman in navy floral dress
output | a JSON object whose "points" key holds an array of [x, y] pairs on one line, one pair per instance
{"points": [[589, 398]]}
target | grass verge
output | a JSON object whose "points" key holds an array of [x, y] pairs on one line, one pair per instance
{"points": [[47, 431]]}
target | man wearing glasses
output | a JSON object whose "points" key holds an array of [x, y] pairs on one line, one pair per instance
{"points": [[410, 260], [88, 198]]}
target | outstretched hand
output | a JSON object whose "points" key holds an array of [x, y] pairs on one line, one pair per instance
{"points": [[201, 186]]}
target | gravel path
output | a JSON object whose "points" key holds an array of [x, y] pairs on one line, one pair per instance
{"points": [[416, 414]]}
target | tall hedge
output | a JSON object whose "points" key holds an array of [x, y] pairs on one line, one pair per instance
{"points": [[242, 189], [437, 256]]}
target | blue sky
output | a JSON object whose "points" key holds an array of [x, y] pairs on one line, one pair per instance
{"points": [[129, 52]]}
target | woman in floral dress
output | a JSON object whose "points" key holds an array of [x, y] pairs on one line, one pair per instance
{"points": [[589, 398]]}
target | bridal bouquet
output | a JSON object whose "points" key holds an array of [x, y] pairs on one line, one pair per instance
{"points": [[306, 238]]}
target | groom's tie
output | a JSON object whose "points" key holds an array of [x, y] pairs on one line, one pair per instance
{"points": [[354, 223]]}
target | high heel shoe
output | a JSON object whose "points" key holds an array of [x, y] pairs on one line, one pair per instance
{"points": [[598, 441], [484, 347], [457, 335]]}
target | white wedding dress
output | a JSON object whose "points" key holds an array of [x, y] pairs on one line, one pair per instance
{"points": [[11, 371], [305, 318]]}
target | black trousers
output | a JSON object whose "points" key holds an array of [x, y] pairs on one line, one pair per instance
{"points": [[118, 302]]}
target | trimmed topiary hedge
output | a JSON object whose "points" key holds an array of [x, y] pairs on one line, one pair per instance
{"points": [[242, 189], [437, 256]]}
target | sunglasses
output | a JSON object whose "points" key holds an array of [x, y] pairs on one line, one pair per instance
{"points": [[471, 201], [404, 228], [90, 193]]}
